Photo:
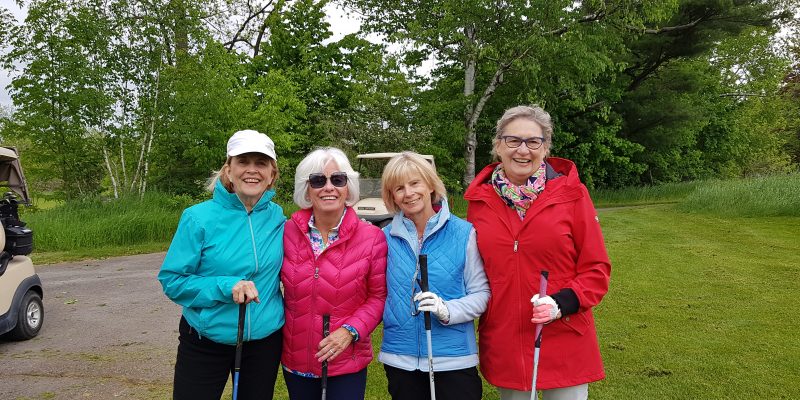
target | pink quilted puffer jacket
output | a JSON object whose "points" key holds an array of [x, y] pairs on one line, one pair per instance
{"points": [[350, 285]]}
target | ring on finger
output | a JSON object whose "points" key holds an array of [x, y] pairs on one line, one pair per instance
{"points": [[332, 351]]}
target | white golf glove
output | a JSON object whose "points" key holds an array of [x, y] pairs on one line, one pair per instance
{"points": [[545, 309], [430, 302]]}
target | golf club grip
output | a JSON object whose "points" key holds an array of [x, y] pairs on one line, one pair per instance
{"points": [[237, 363], [542, 293], [326, 330], [423, 284]]}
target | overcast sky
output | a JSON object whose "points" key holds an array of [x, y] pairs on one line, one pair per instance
{"points": [[340, 25]]}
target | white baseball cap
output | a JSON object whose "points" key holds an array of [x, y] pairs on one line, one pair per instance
{"points": [[250, 141]]}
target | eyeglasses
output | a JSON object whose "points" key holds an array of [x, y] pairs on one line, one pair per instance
{"points": [[514, 142], [338, 179]]}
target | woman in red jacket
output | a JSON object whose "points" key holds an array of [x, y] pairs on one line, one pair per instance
{"points": [[531, 214], [334, 264]]}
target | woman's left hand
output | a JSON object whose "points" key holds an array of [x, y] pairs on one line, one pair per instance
{"points": [[545, 310], [333, 345]]}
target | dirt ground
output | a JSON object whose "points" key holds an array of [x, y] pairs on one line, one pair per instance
{"points": [[109, 332]]}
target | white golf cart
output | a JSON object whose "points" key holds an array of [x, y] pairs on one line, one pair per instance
{"points": [[21, 310], [370, 206]]}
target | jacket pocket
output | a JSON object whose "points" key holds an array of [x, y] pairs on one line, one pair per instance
{"points": [[577, 323]]}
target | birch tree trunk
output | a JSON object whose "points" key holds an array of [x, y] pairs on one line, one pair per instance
{"points": [[470, 141], [110, 172]]}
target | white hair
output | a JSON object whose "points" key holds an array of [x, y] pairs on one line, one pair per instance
{"points": [[314, 163]]}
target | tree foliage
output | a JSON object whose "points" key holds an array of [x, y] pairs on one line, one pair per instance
{"points": [[121, 96], [629, 83]]}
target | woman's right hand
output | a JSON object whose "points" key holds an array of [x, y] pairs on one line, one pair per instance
{"points": [[245, 292]]}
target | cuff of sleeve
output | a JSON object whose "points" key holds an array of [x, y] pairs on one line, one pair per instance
{"points": [[225, 285], [567, 301], [353, 331]]}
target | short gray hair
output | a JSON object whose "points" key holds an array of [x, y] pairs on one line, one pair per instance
{"points": [[532, 113], [314, 163]]}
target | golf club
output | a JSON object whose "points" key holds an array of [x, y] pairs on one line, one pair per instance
{"points": [[326, 328], [538, 335], [423, 284], [237, 362]]}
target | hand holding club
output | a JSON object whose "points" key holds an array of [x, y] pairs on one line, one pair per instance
{"points": [[244, 292], [545, 309], [333, 345], [430, 302]]}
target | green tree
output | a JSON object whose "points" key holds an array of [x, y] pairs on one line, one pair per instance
{"points": [[54, 91], [355, 98], [487, 41]]}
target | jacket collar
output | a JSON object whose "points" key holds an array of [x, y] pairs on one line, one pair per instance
{"points": [[349, 222], [231, 200], [563, 184], [555, 169], [404, 228]]}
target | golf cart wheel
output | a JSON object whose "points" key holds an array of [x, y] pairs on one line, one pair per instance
{"points": [[31, 315]]}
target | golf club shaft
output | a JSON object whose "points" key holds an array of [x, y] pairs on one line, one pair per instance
{"points": [[423, 284], [237, 362], [538, 335], [326, 329]]}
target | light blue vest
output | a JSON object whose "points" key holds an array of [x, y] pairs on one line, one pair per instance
{"points": [[445, 245]]}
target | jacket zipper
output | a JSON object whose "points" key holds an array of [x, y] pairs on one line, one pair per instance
{"points": [[520, 306], [255, 256]]}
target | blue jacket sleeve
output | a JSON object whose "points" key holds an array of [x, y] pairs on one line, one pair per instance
{"points": [[178, 275]]}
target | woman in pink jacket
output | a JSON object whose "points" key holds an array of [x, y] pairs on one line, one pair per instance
{"points": [[334, 264]]}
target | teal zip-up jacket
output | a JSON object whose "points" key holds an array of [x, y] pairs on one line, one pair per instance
{"points": [[217, 244]]}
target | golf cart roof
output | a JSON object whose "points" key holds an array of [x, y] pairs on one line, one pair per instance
{"points": [[7, 154], [11, 173], [388, 155]]}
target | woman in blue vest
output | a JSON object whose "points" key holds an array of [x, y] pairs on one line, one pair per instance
{"points": [[228, 251], [458, 288]]}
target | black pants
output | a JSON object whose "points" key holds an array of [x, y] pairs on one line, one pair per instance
{"points": [[340, 387], [203, 366], [461, 384]]}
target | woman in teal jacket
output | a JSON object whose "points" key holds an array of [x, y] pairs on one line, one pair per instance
{"points": [[228, 251]]}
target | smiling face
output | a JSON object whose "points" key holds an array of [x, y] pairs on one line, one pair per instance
{"points": [[413, 198], [520, 163], [329, 198], [250, 174]]}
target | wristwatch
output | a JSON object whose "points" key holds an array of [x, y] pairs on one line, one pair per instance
{"points": [[353, 332]]}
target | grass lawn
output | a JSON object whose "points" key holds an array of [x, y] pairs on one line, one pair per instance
{"points": [[700, 307]]}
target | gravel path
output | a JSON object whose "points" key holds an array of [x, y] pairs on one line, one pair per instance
{"points": [[109, 332]]}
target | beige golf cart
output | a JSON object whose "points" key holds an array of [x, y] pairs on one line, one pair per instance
{"points": [[21, 310], [370, 206]]}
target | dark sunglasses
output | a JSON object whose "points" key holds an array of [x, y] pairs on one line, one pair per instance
{"points": [[338, 179]]}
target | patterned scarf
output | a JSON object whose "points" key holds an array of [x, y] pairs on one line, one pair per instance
{"points": [[519, 197]]}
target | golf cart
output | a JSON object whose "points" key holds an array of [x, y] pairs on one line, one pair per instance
{"points": [[21, 310], [370, 206]]}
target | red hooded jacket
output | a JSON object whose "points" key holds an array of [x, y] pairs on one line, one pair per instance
{"points": [[560, 234]]}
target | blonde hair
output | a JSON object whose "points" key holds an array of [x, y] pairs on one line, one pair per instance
{"points": [[222, 176], [399, 170]]}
